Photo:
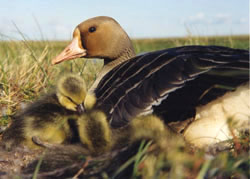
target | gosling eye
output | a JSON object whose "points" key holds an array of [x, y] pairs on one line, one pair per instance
{"points": [[92, 29]]}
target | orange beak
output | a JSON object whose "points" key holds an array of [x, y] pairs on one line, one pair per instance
{"points": [[72, 51]]}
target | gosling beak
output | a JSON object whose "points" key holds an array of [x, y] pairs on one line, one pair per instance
{"points": [[80, 108], [72, 51]]}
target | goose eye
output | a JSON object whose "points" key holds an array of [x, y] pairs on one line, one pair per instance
{"points": [[92, 29]]}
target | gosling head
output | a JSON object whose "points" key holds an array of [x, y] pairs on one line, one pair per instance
{"points": [[98, 37], [71, 92]]}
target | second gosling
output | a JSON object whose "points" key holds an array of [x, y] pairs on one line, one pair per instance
{"points": [[96, 134]]}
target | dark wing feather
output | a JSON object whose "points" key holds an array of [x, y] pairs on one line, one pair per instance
{"points": [[170, 82]]}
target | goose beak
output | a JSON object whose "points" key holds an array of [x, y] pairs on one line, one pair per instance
{"points": [[72, 51], [80, 108]]}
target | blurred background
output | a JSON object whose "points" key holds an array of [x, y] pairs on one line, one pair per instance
{"points": [[56, 19]]}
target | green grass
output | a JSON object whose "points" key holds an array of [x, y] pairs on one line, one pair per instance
{"points": [[145, 45], [177, 160], [26, 72]]}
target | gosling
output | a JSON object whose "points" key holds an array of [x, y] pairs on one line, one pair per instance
{"points": [[98, 137], [51, 118]]}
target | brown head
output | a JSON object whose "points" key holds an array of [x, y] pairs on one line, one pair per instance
{"points": [[98, 37]]}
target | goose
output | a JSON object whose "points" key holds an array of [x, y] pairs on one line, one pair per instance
{"points": [[194, 89], [50, 118]]}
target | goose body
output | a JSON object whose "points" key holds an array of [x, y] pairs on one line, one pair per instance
{"points": [[170, 82], [178, 86], [175, 84], [51, 118]]}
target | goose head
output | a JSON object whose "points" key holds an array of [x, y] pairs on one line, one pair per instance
{"points": [[71, 92], [98, 37]]}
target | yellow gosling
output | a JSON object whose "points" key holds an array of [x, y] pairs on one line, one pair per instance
{"points": [[50, 117], [95, 132]]}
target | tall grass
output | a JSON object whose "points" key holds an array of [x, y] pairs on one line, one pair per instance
{"points": [[26, 71]]}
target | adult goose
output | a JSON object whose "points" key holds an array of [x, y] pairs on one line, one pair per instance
{"points": [[185, 86]]}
